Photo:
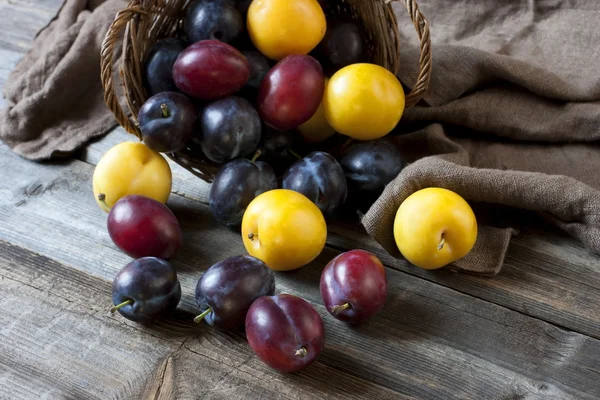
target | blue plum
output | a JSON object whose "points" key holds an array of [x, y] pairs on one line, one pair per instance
{"points": [[167, 121], [146, 289], [259, 66], [342, 45], [230, 128], [319, 177], [158, 76], [213, 19], [369, 167], [275, 148], [243, 5], [227, 289], [235, 185]]}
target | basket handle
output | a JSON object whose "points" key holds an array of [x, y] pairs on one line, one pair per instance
{"points": [[106, 64], [422, 28]]}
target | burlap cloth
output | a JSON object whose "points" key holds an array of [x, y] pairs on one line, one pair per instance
{"points": [[512, 117]]}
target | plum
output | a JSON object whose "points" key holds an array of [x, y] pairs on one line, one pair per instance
{"points": [[259, 67], [286, 332], [140, 227], [369, 167], [227, 289], [291, 92], [146, 289], [342, 45], [210, 70], [276, 149], [319, 177], [229, 128], [213, 19], [158, 68], [235, 185], [354, 286], [167, 121]]}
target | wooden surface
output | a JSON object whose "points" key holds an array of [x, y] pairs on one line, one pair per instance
{"points": [[533, 332]]}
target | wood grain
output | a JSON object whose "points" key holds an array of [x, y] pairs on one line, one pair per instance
{"points": [[429, 342], [546, 275], [21, 22], [60, 341]]}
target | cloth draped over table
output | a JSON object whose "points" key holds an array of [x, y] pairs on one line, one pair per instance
{"points": [[512, 117]]}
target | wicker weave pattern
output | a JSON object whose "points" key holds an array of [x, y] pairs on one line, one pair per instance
{"points": [[137, 27]]}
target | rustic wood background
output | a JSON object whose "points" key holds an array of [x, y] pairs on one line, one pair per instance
{"points": [[531, 333]]}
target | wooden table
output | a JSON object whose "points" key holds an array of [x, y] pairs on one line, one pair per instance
{"points": [[530, 333]]}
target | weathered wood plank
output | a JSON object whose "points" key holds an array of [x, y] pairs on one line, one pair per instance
{"points": [[428, 342], [549, 276], [59, 341], [22, 21]]}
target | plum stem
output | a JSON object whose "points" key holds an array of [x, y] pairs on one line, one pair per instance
{"points": [[123, 304], [200, 317], [292, 152], [252, 236], [337, 309], [256, 155], [165, 110], [301, 352], [102, 200], [442, 242]]}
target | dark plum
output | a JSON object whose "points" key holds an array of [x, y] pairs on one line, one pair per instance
{"points": [[210, 69], [369, 167], [158, 76], [276, 148], [140, 227], [229, 128], [235, 185], [342, 45], [227, 289], [243, 5], [167, 121], [213, 19], [354, 286], [146, 289], [286, 332], [319, 177], [291, 92], [259, 67]]}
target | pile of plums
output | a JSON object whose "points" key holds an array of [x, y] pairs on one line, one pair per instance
{"points": [[212, 92], [285, 331]]}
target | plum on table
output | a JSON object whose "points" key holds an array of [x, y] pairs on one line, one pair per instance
{"points": [[354, 286], [286, 332], [235, 185], [140, 227], [227, 289], [369, 167], [146, 289], [319, 177]]}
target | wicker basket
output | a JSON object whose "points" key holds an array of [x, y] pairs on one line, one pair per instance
{"points": [[146, 21]]}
